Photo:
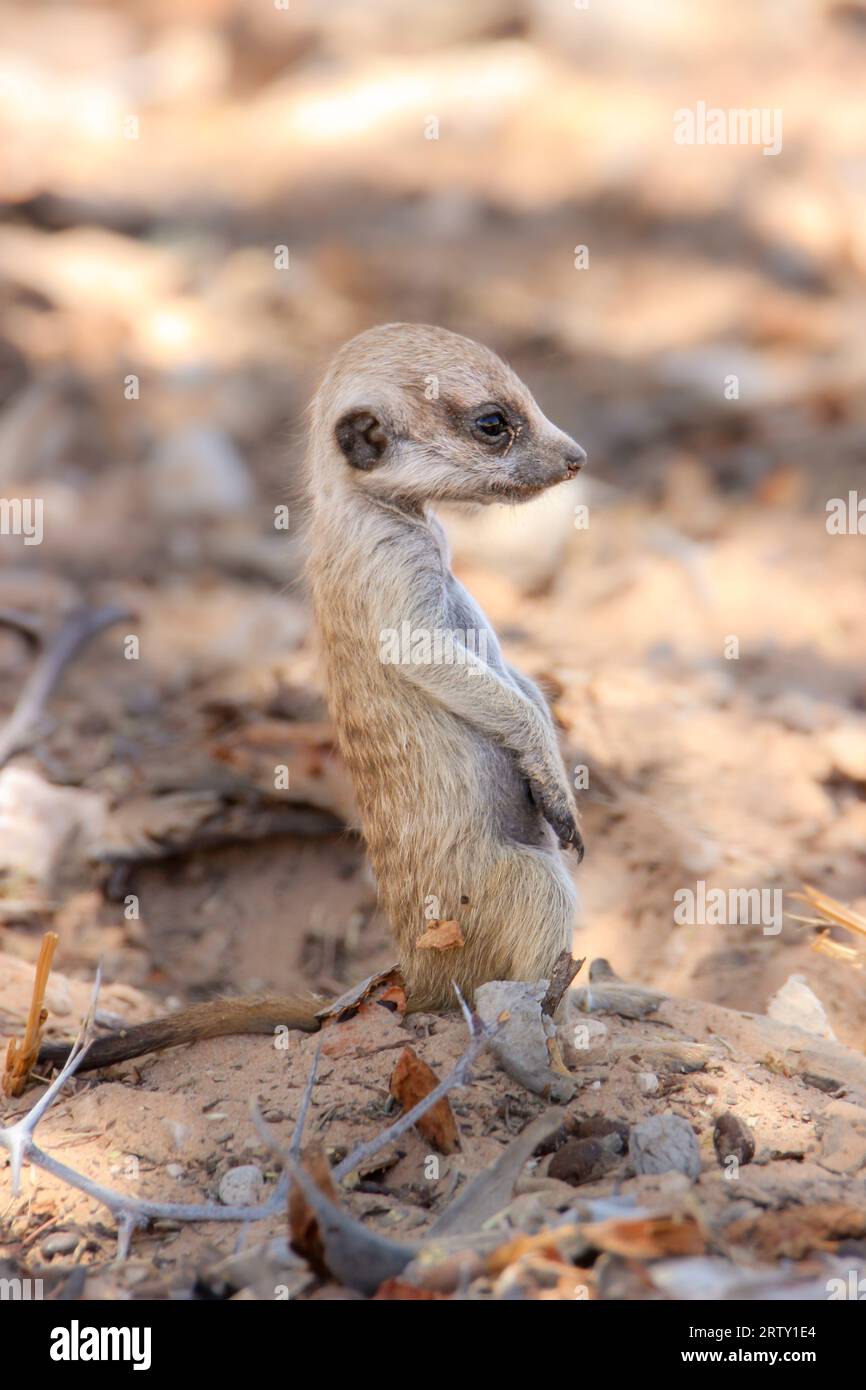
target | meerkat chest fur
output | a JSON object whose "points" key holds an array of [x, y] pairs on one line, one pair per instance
{"points": [[462, 796], [425, 779]]}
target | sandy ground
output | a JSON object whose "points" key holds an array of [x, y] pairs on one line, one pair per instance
{"points": [[697, 629]]}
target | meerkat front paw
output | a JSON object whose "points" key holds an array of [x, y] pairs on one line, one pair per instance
{"points": [[558, 810]]}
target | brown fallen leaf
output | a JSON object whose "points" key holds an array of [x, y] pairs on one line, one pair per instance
{"points": [[646, 1238], [794, 1233], [386, 987], [546, 1243], [411, 1081], [304, 1235], [441, 936]]}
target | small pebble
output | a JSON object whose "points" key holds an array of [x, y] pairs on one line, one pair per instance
{"points": [[585, 1160], [733, 1138], [63, 1243], [241, 1187], [599, 1127], [665, 1144]]}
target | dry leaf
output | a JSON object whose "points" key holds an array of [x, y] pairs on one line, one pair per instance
{"points": [[533, 1278], [441, 936], [411, 1081], [646, 1238], [794, 1233], [545, 1243], [304, 1235], [385, 987]]}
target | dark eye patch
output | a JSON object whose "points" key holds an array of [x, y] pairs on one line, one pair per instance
{"points": [[492, 424]]}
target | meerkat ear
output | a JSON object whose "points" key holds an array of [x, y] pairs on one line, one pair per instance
{"points": [[362, 438]]}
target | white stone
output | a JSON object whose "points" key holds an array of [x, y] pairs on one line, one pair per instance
{"points": [[40, 824], [797, 1005]]}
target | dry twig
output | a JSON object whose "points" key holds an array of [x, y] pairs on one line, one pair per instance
{"points": [[75, 633], [21, 1054]]}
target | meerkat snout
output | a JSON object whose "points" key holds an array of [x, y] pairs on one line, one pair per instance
{"points": [[417, 414], [575, 461]]}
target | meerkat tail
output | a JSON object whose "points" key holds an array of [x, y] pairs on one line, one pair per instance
{"points": [[219, 1018]]}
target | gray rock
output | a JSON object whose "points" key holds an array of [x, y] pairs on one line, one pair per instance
{"points": [[241, 1187], [62, 1243], [842, 1127], [732, 1138], [665, 1144], [526, 1045]]}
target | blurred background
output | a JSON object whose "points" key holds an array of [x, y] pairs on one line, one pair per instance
{"points": [[200, 201]]}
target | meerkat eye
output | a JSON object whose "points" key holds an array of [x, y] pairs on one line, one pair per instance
{"points": [[492, 424]]}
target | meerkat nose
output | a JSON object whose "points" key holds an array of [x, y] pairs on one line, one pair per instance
{"points": [[574, 460]]}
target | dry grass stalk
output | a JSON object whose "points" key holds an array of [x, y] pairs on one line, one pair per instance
{"points": [[21, 1054], [831, 911]]}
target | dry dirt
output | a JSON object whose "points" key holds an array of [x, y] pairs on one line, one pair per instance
{"points": [[701, 639]]}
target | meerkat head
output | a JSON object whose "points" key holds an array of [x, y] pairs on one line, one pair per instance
{"points": [[412, 413]]}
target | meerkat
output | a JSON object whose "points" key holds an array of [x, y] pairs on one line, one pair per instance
{"points": [[463, 798]]}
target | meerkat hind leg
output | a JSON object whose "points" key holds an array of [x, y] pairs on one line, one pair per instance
{"points": [[523, 944]]}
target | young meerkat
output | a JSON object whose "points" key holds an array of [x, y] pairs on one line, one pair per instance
{"points": [[463, 798]]}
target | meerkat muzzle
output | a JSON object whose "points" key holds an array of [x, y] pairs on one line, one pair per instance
{"points": [[575, 460]]}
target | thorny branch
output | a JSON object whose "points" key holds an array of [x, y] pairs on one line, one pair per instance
{"points": [[132, 1212], [129, 1212], [458, 1076]]}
